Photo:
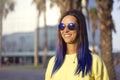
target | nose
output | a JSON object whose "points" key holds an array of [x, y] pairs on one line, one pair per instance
{"points": [[66, 29]]}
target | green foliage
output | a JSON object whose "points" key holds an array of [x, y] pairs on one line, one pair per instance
{"points": [[93, 13], [93, 10]]}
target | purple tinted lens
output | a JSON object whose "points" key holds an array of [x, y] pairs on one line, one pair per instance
{"points": [[71, 26], [61, 26]]}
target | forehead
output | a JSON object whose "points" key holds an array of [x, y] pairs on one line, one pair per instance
{"points": [[68, 19]]}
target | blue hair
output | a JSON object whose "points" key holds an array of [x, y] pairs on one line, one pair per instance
{"points": [[84, 54]]}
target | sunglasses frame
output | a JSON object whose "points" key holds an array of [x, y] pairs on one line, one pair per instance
{"points": [[70, 26]]}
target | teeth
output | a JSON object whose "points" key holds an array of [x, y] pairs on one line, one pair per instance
{"points": [[67, 35]]}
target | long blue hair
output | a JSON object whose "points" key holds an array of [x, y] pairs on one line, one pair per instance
{"points": [[84, 54]]}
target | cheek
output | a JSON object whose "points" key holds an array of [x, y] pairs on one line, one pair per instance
{"points": [[75, 34], [61, 33]]}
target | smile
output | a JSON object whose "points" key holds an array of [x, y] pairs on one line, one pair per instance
{"points": [[67, 35]]}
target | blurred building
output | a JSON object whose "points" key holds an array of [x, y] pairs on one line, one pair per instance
{"points": [[18, 48]]}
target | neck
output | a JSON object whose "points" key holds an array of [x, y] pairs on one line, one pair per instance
{"points": [[71, 48]]}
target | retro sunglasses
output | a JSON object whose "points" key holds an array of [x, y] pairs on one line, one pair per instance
{"points": [[71, 26]]}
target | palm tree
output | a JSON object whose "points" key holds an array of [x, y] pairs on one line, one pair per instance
{"points": [[84, 5], [93, 16], [45, 38], [106, 26], [41, 7], [5, 7], [1, 13], [84, 8], [66, 5]]}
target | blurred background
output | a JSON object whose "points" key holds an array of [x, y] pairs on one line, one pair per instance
{"points": [[28, 34]]}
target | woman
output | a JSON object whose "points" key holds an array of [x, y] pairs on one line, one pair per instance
{"points": [[74, 60]]}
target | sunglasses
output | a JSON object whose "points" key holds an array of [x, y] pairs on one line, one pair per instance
{"points": [[71, 26]]}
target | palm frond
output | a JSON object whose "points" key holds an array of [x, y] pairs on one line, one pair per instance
{"points": [[40, 5], [9, 6]]}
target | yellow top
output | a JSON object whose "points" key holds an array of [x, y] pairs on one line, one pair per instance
{"points": [[67, 70]]}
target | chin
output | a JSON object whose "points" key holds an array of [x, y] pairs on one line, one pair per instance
{"points": [[69, 42]]}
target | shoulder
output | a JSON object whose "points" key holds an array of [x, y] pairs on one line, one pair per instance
{"points": [[50, 64], [96, 58], [99, 70], [51, 61], [97, 64], [49, 68]]}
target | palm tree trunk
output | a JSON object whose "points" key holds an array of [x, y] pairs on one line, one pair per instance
{"points": [[36, 54], [106, 26], [1, 16], [106, 50], [69, 4], [46, 38]]}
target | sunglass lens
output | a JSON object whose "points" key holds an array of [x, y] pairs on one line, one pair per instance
{"points": [[71, 26], [61, 26]]}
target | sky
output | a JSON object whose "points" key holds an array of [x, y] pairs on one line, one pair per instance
{"points": [[24, 18], [116, 20]]}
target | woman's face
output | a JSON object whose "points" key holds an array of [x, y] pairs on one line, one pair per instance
{"points": [[69, 36]]}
